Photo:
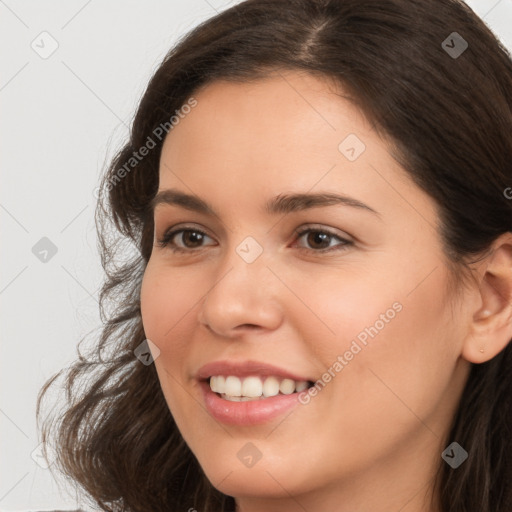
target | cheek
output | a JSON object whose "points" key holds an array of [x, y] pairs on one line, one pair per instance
{"points": [[346, 312], [167, 301], [398, 348], [405, 368], [166, 308]]}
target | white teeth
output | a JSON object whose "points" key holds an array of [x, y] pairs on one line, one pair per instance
{"points": [[237, 398], [232, 387], [254, 387], [287, 386], [271, 386], [217, 382]]}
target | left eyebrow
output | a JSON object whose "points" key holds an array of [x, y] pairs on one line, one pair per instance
{"points": [[280, 204], [286, 203]]}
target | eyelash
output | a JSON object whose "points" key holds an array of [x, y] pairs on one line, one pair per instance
{"points": [[165, 241]]}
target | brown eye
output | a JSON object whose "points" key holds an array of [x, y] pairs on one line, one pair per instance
{"points": [[190, 239], [319, 240]]}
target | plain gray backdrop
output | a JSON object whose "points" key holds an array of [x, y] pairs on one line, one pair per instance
{"points": [[71, 76]]}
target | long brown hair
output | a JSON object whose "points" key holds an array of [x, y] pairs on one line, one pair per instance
{"points": [[448, 118]]}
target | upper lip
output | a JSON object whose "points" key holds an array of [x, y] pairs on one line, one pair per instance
{"points": [[245, 369]]}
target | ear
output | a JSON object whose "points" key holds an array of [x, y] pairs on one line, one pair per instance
{"points": [[491, 323]]}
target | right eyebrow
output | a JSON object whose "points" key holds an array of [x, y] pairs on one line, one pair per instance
{"points": [[280, 204]]}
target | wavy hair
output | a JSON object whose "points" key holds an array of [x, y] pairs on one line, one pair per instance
{"points": [[449, 122]]}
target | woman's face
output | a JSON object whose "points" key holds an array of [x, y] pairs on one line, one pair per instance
{"points": [[369, 318]]}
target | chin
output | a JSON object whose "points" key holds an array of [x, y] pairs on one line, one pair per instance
{"points": [[261, 480], [251, 483]]}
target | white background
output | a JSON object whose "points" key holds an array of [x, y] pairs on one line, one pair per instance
{"points": [[62, 118]]}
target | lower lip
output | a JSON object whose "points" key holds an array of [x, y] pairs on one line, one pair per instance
{"points": [[251, 412]]}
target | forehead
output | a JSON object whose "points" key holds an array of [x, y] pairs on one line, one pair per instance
{"points": [[279, 108], [278, 124], [286, 133]]}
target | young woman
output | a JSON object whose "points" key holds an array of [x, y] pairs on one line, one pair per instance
{"points": [[319, 310]]}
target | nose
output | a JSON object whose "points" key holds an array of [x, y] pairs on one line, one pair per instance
{"points": [[242, 297]]}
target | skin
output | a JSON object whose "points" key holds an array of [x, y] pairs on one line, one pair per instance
{"points": [[372, 437]]}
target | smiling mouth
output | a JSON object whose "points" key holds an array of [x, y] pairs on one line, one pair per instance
{"points": [[236, 389]]}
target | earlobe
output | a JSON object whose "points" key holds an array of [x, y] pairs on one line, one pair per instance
{"points": [[491, 324]]}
